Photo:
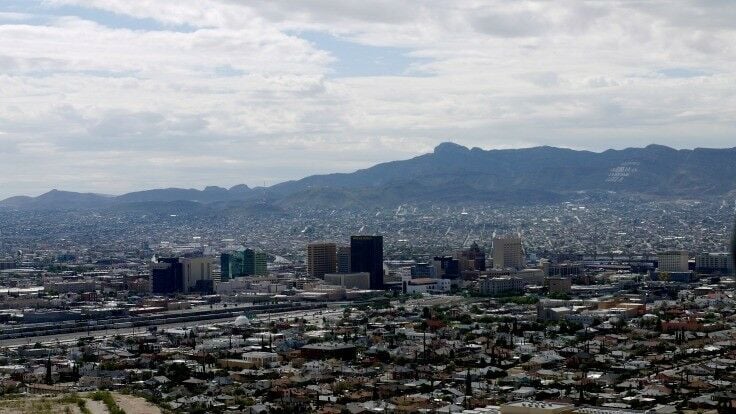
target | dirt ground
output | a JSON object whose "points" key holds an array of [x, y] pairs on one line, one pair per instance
{"points": [[96, 407], [37, 405], [52, 405], [136, 405]]}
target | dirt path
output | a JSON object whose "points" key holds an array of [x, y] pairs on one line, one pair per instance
{"points": [[135, 405], [96, 407]]}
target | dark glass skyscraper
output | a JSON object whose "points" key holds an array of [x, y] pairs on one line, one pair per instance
{"points": [[449, 267], [366, 255], [166, 276], [225, 267]]}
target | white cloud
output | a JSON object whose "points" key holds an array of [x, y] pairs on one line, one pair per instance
{"points": [[222, 92]]}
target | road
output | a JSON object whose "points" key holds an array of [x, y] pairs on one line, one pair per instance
{"points": [[133, 331]]}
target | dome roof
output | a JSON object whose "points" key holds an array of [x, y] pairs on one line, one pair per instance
{"points": [[242, 320]]}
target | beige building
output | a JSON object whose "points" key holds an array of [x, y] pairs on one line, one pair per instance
{"points": [[673, 261], [508, 252], [535, 407], [531, 276], [260, 359], [500, 285], [195, 270], [321, 259]]}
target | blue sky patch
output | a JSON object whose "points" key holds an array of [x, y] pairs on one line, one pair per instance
{"points": [[682, 72], [42, 11], [355, 59]]}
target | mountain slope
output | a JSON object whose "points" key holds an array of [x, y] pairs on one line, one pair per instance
{"points": [[208, 195], [453, 173], [56, 199], [458, 172]]}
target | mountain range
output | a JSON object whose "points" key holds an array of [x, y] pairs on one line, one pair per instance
{"points": [[455, 174]]}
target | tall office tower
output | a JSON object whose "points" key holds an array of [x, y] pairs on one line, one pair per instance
{"points": [[197, 274], [321, 259], [508, 252], [166, 276], [672, 261], [254, 263], [237, 260], [225, 267], [366, 255], [343, 259], [472, 258], [446, 267], [714, 262]]}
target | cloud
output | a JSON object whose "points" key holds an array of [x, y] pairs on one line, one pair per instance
{"points": [[514, 24], [117, 95]]}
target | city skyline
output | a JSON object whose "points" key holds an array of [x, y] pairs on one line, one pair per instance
{"points": [[190, 93], [341, 206]]}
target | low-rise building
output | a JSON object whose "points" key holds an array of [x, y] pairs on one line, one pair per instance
{"points": [[501, 285]]}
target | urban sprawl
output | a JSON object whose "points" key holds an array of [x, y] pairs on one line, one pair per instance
{"points": [[580, 307]]}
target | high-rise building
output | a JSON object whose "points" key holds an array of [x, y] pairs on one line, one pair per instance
{"points": [[343, 259], [714, 262], [672, 261], [225, 267], [508, 252], [166, 276], [321, 259], [197, 274], [472, 258], [447, 267], [254, 263], [366, 255], [237, 263]]}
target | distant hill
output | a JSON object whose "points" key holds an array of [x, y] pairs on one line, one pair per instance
{"points": [[59, 199], [208, 195], [452, 174]]}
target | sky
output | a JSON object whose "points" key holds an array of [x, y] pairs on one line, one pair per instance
{"points": [[112, 96]]}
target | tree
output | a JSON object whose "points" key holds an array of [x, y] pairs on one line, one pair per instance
{"points": [[177, 373], [49, 379]]}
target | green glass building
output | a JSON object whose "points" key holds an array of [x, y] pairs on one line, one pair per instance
{"points": [[240, 263], [225, 267], [254, 263]]}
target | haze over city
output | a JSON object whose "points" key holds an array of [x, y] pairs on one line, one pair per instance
{"points": [[196, 93]]}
